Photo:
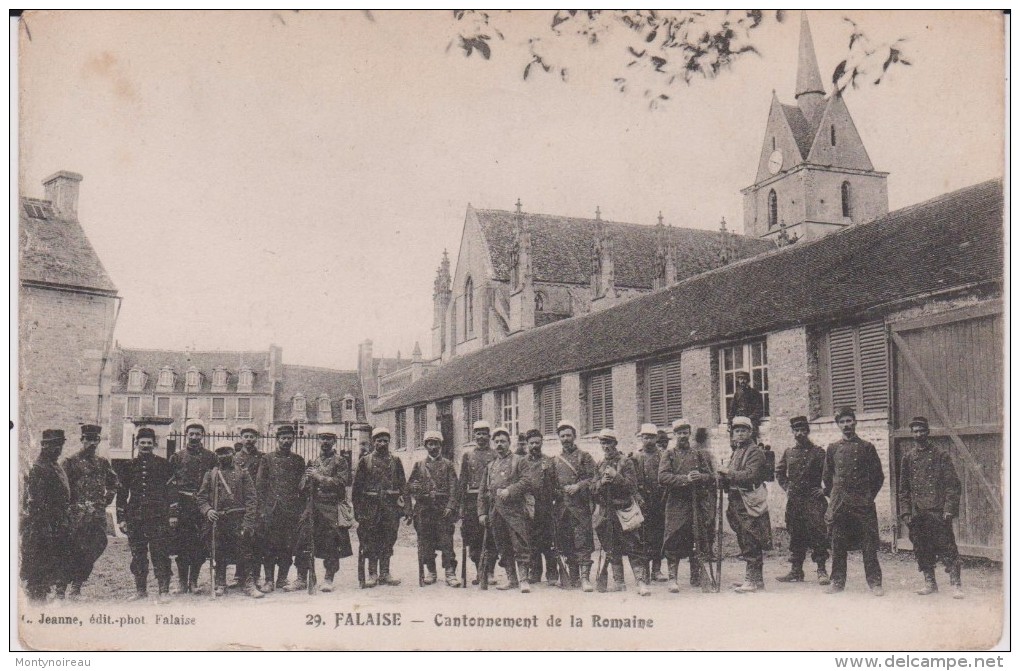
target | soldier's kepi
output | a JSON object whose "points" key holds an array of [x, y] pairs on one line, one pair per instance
{"points": [[279, 488], [433, 485], [378, 505], [477, 457], [324, 486], [189, 466]]}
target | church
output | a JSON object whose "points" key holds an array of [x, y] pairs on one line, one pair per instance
{"points": [[829, 300]]}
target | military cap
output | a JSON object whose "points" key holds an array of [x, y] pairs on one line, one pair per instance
{"points": [[380, 431], [566, 423], [145, 432], [224, 448], [285, 429], [91, 430], [799, 421], [194, 422], [743, 374], [53, 437], [608, 434], [680, 423], [250, 429], [481, 424], [742, 421], [919, 421], [648, 430], [501, 429], [433, 435], [327, 434], [845, 411]]}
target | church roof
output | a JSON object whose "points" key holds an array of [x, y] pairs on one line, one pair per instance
{"points": [[803, 130], [947, 243], [561, 248], [55, 250]]}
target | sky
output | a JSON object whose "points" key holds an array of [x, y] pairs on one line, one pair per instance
{"points": [[257, 178]]}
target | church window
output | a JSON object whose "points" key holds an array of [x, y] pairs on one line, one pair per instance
{"points": [[845, 193], [773, 209], [832, 135], [515, 274], [773, 143], [469, 308], [539, 301]]}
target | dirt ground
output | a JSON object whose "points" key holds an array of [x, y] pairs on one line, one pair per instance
{"points": [[784, 617]]}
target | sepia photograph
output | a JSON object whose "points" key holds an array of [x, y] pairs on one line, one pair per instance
{"points": [[510, 330]]}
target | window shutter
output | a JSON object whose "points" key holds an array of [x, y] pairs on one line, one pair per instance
{"points": [[551, 406], [841, 365], [874, 368], [674, 400], [657, 394], [600, 401]]}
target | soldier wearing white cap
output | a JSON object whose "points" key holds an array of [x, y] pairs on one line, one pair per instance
{"points": [[379, 485], [433, 484], [189, 466], [686, 475], [572, 507], [646, 464], [748, 512], [478, 454]]}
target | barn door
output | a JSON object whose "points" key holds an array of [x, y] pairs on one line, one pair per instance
{"points": [[949, 368]]}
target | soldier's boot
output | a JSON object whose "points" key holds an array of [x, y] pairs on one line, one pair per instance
{"points": [[525, 572], [930, 585], [163, 596], [373, 572], [183, 581], [582, 577], [657, 571], [281, 575], [642, 575], [300, 583], [759, 578], [749, 586], [268, 583], [796, 573], [249, 585], [673, 566], [141, 589], [823, 575], [956, 581], [451, 577], [695, 574], [511, 579], [430, 572], [327, 584], [619, 584], [384, 573], [552, 571]]}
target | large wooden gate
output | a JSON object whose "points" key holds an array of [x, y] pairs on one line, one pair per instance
{"points": [[949, 368]]}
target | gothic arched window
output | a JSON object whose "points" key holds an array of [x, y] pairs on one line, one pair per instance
{"points": [[539, 301], [832, 135], [469, 307], [845, 193], [773, 209]]}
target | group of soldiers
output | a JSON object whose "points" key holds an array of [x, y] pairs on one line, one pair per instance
{"points": [[533, 514]]}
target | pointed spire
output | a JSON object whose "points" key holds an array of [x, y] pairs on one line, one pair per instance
{"points": [[518, 207], [443, 281], [416, 354], [810, 92]]}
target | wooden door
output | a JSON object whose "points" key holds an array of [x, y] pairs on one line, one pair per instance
{"points": [[949, 368]]}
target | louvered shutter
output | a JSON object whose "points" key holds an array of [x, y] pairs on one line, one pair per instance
{"points": [[674, 400], [841, 367], [551, 406], [600, 401], [655, 378], [874, 366]]}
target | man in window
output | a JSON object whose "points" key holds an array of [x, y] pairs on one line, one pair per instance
{"points": [[748, 512], [800, 475], [852, 479], [502, 505], [93, 486], [477, 456], [746, 402], [281, 504], [189, 466], [929, 499], [377, 495], [646, 463], [543, 541], [572, 506], [433, 484]]}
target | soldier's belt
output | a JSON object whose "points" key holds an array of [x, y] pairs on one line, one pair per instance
{"points": [[388, 492], [232, 511], [473, 491]]}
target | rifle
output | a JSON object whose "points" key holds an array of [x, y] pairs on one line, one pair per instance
{"points": [[310, 509], [463, 557], [483, 579], [708, 583], [212, 560], [718, 535], [564, 578], [361, 564], [602, 576], [421, 566]]}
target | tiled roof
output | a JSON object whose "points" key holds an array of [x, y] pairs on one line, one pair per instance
{"points": [[152, 361], [561, 248], [55, 250], [803, 130], [949, 242], [312, 382]]}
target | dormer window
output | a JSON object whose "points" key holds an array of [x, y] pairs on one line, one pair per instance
{"points": [[136, 379], [194, 378], [348, 404], [325, 410], [324, 404], [220, 378], [299, 407], [166, 378], [245, 379]]}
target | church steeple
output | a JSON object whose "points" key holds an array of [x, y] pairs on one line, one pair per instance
{"points": [[810, 92]]}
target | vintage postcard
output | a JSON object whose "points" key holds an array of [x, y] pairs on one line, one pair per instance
{"points": [[530, 330]]}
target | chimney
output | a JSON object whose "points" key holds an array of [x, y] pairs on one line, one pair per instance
{"points": [[62, 191]]}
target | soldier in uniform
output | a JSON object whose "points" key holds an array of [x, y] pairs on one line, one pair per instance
{"points": [[685, 474], [646, 465], [45, 521], [433, 485], [502, 506], [572, 506], [378, 487], [852, 479], [477, 457], [615, 488], [543, 540], [279, 493], [93, 486], [799, 473], [522, 445], [189, 466], [663, 440], [326, 480], [143, 508], [229, 503], [747, 402], [249, 457], [748, 512], [929, 499]]}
